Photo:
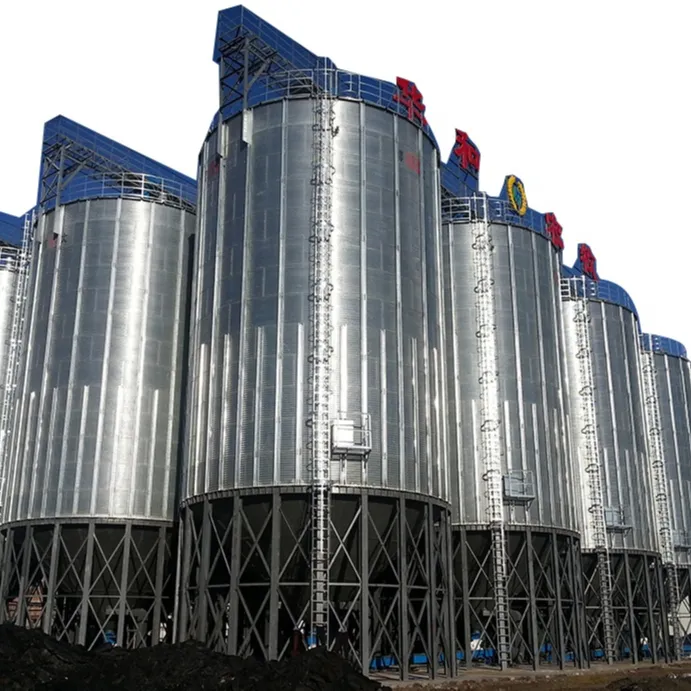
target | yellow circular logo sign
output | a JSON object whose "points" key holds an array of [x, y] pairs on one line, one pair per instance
{"points": [[516, 192]]}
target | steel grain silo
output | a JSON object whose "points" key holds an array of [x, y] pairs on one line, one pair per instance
{"points": [[316, 300], [668, 395], [511, 480], [622, 576], [10, 258], [93, 481]]}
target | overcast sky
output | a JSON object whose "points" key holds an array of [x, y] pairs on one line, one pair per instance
{"points": [[586, 101]]}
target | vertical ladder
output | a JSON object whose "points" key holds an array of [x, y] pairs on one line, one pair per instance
{"points": [[485, 312], [656, 453], [14, 351], [576, 290], [320, 354]]}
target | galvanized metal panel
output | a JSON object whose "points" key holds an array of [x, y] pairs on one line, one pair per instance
{"points": [[9, 258], [673, 376], [620, 417], [99, 396], [253, 287], [528, 332], [8, 279]]}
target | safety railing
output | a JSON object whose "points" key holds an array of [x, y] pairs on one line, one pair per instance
{"points": [[9, 258], [662, 344], [130, 186], [471, 209], [580, 286], [276, 86]]}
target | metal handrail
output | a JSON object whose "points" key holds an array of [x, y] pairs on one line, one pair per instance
{"points": [[136, 186], [339, 84], [471, 209], [9, 258]]}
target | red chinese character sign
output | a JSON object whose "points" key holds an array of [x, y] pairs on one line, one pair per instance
{"points": [[409, 96], [586, 262], [467, 153], [554, 230]]}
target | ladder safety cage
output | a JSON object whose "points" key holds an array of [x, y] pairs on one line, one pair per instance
{"points": [[656, 454], [578, 291], [23, 265], [485, 310], [319, 422]]}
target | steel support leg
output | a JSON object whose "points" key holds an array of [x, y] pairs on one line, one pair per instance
{"points": [[275, 574], [365, 624], [465, 599], [404, 605], [557, 591], [9, 550], [183, 602], [52, 576], [534, 636], [235, 556], [450, 612], [86, 585], [159, 580], [203, 595]]}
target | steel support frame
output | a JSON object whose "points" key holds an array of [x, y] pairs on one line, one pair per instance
{"points": [[638, 603], [63, 158], [684, 579], [245, 577], [80, 580], [244, 59], [544, 597]]}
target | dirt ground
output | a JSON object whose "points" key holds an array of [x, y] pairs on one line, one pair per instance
{"points": [[621, 677], [32, 661]]}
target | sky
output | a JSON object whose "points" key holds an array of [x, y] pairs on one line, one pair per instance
{"points": [[585, 101]]}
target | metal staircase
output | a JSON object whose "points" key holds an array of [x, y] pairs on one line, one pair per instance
{"points": [[14, 351], [656, 453], [575, 289], [320, 355], [490, 415]]}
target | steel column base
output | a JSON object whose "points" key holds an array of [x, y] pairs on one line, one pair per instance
{"points": [[245, 574], [638, 603], [545, 597], [89, 582]]}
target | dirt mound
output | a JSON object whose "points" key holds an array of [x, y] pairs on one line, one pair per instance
{"points": [[30, 660]]}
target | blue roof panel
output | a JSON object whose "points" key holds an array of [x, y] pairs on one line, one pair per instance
{"points": [[606, 291], [11, 229], [282, 68], [664, 345], [97, 166]]}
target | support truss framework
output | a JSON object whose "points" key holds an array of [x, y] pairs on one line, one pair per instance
{"points": [[545, 597], [684, 581], [79, 164], [89, 582], [245, 578], [638, 605]]}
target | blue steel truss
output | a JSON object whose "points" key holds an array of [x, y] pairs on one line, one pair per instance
{"points": [[78, 163], [258, 64], [664, 345]]}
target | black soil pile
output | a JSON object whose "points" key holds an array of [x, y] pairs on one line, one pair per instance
{"points": [[32, 661]]}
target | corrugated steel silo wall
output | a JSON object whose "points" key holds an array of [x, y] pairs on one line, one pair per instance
{"points": [[673, 376], [97, 426], [620, 415], [526, 281], [249, 391], [8, 279]]}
